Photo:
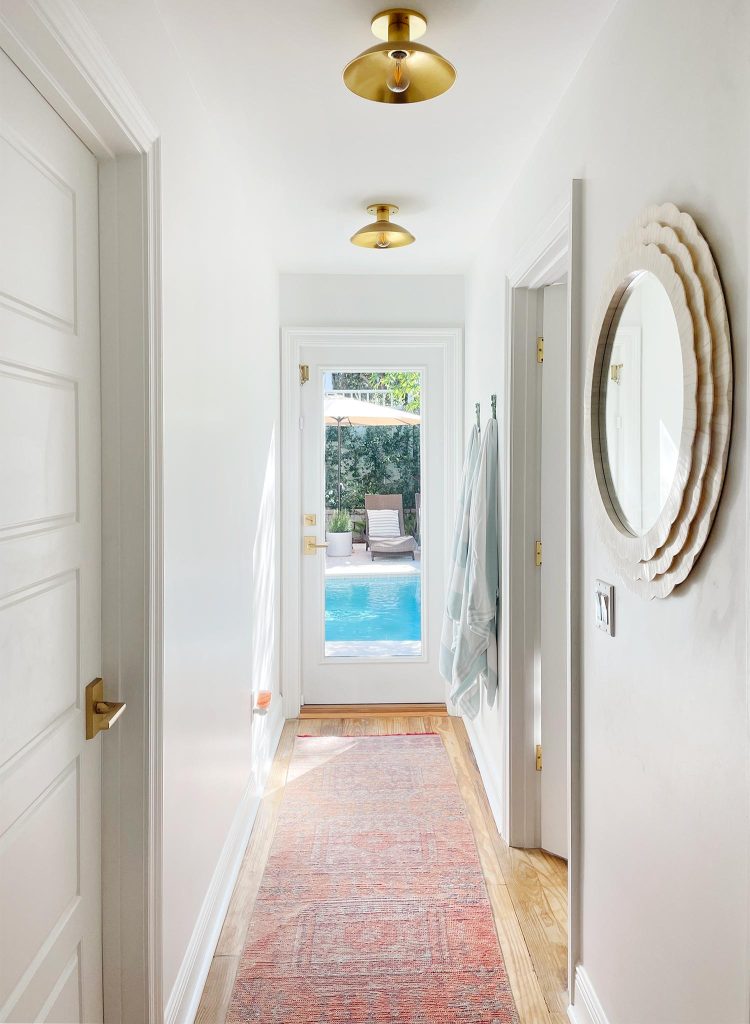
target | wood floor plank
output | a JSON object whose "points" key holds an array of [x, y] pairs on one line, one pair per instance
{"points": [[218, 990], [310, 727], [370, 710], [353, 727], [527, 888], [330, 726], [530, 1002]]}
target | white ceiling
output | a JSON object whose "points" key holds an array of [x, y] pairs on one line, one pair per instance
{"points": [[273, 71]]}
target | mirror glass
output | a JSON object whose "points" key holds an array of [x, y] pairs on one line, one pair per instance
{"points": [[641, 404]]}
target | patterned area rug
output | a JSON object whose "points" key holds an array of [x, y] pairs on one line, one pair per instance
{"points": [[373, 906]]}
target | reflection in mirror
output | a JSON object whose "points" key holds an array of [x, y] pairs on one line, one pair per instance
{"points": [[641, 404]]}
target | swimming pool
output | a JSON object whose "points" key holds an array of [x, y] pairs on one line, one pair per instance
{"points": [[374, 608]]}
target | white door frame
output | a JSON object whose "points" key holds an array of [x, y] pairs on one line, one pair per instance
{"points": [[450, 340], [554, 251], [58, 51]]}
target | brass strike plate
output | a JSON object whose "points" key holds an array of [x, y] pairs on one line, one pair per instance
{"points": [[539, 757], [101, 714], [310, 519]]}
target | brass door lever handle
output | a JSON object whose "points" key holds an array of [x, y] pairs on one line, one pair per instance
{"points": [[100, 714], [310, 546]]}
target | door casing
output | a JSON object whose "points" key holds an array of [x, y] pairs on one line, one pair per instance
{"points": [[55, 47], [450, 342]]}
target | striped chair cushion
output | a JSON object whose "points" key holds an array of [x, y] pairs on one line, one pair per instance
{"points": [[383, 522]]}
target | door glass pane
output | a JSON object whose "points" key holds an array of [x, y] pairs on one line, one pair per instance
{"points": [[373, 455]]}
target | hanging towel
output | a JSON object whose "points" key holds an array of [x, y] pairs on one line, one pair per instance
{"points": [[458, 562], [475, 657]]}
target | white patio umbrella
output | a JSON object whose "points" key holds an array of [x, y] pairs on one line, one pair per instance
{"points": [[353, 412]]}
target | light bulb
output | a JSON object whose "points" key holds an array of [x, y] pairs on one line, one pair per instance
{"points": [[398, 80], [382, 242]]}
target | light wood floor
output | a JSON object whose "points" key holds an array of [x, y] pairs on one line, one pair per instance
{"points": [[527, 888]]}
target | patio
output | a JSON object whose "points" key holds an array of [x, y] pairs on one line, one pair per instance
{"points": [[360, 563]]}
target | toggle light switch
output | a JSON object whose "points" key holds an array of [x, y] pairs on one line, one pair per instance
{"points": [[604, 607]]}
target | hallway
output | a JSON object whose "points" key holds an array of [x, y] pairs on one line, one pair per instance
{"points": [[527, 888], [346, 378]]}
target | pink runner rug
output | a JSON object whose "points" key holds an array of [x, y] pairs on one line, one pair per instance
{"points": [[373, 906]]}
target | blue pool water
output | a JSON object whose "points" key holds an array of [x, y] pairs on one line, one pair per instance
{"points": [[373, 608]]}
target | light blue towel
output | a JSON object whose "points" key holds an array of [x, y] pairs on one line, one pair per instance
{"points": [[458, 562], [475, 655]]}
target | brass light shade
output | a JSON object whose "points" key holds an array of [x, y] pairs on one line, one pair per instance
{"points": [[399, 70], [382, 233]]}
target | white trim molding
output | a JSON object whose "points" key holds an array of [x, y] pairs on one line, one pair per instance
{"points": [[486, 763], [450, 341], [185, 996], [57, 49], [585, 1008]]}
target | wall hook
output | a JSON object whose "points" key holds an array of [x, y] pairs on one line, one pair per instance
{"points": [[477, 410], [493, 402]]}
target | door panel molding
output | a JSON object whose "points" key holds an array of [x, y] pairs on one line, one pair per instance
{"points": [[450, 341], [57, 49]]}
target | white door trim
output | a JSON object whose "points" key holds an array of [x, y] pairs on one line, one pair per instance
{"points": [[59, 52], [450, 340], [553, 251]]}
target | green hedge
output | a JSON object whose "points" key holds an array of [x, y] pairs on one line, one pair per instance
{"points": [[374, 460]]}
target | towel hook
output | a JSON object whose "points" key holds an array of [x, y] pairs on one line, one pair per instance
{"points": [[477, 410], [493, 402]]}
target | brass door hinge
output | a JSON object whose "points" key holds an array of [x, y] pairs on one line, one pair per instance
{"points": [[540, 350], [539, 757], [304, 373], [538, 554]]}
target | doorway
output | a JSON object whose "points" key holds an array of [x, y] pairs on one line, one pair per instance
{"points": [[541, 588], [78, 480], [369, 478]]}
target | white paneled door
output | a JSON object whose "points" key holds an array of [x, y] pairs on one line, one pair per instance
{"points": [[50, 564], [370, 629]]}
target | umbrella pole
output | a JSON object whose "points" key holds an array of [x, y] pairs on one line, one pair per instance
{"points": [[338, 488]]}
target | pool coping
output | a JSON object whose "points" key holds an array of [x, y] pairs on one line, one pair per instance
{"points": [[373, 648]]}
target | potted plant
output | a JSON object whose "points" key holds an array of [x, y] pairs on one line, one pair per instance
{"points": [[339, 534]]}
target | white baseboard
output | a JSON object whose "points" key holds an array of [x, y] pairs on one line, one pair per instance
{"points": [[489, 779], [184, 998], [586, 1008]]}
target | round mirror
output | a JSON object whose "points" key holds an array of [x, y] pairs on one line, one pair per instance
{"points": [[641, 403]]}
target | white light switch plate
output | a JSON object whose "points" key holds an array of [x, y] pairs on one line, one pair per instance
{"points": [[604, 607]]}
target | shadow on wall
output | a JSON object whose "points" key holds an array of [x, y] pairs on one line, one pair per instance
{"points": [[264, 584]]}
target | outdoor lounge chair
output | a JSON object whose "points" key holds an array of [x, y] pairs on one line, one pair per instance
{"points": [[404, 544]]}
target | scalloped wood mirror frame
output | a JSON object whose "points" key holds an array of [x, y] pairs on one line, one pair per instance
{"points": [[667, 243]]}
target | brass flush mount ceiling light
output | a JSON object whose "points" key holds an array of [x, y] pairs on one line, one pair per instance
{"points": [[382, 233], [398, 70]]}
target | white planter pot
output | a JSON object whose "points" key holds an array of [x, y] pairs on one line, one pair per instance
{"points": [[339, 544]]}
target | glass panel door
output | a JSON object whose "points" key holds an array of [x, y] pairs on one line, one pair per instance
{"points": [[373, 479]]}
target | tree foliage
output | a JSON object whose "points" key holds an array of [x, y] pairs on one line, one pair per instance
{"points": [[375, 460], [404, 387]]}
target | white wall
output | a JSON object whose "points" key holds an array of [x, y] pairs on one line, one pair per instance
{"points": [[220, 463], [658, 111], [382, 300]]}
